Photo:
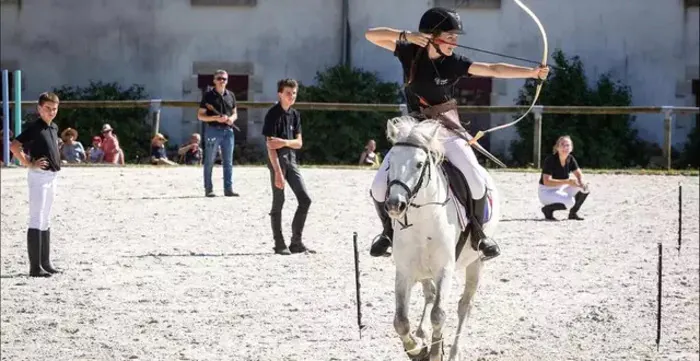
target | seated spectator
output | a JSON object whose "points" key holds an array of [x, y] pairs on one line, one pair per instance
{"points": [[95, 154], [191, 153], [110, 146], [72, 150], [369, 155], [158, 154], [558, 190]]}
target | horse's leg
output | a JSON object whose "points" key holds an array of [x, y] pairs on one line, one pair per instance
{"points": [[429, 294], [437, 315], [402, 325], [473, 273]]}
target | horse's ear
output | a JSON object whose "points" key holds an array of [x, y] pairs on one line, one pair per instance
{"points": [[391, 130]]}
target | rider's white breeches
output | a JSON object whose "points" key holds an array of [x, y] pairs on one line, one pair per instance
{"points": [[558, 194], [458, 153]]}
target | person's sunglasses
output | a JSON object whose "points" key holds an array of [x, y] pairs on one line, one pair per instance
{"points": [[221, 78]]}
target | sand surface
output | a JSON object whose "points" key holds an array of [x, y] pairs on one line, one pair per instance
{"points": [[155, 271]]}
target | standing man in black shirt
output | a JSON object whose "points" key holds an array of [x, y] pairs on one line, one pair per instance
{"points": [[217, 110], [41, 138], [282, 131]]}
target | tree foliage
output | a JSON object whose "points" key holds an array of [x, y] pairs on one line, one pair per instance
{"points": [[338, 137], [131, 125], [600, 141]]}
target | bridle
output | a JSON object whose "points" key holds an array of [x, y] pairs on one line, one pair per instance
{"points": [[426, 171]]}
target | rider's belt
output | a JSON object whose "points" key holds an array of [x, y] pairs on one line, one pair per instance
{"points": [[445, 112]]}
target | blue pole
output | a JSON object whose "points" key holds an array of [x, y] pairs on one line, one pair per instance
{"points": [[18, 102], [6, 117]]}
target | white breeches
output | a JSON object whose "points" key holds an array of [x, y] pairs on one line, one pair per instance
{"points": [[459, 153], [42, 187], [558, 194]]}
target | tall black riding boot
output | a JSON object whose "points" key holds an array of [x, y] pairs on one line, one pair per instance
{"points": [[34, 251], [276, 223], [580, 198], [383, 241], [480, 242], [549, 209], [46, 252]]}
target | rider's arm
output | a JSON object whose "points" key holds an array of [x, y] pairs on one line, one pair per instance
{"points": [[501, 70], [383, 37]]}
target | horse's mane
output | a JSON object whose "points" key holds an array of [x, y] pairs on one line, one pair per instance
{"points": [[428, 133]]}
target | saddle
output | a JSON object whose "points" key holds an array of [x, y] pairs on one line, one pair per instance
{"points": [[460, 189]]}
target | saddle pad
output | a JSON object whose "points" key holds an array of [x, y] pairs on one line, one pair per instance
{"points": [[461, 210]]}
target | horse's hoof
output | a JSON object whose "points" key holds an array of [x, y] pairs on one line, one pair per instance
{"points": [[424, 355]]}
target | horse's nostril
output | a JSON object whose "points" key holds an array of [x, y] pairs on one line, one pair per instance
{"points": [[402, 206]]}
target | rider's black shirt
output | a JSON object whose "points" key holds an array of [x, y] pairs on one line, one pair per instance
{"points": [[433, 80]]}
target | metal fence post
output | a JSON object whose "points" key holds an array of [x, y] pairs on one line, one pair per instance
{"points": [[6, 117], [537, 140], [668, 121], [155, 108]]}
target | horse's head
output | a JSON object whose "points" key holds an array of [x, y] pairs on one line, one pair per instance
{"points": [[412, 162]]}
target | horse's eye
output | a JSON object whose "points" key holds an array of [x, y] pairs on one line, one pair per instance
{"points": [[419, 165]]}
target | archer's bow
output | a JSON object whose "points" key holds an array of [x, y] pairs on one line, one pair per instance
{"points": [[539, 81]]}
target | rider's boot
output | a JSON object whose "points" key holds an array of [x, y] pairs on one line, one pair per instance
{"points": [[479, 241], [383, 241], [580, 197]]}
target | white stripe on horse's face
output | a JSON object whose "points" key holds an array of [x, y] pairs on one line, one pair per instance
{"points": [[403, 177]]}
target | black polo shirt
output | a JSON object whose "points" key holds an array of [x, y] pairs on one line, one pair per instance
{"points": [[222, 103], [553, 167], [41, 140], [434, 80], [282, 124]]}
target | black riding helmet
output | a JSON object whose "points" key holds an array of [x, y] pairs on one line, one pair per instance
{"points": [[440, 20]]}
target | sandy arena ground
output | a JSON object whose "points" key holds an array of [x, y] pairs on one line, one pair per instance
{"points": [[155, 271]]}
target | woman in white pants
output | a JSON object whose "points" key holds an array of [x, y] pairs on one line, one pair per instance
{"points": [[41, 138], [558, 190], [431, 70]]}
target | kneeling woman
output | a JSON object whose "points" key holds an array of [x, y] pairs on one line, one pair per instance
{"points": [[558, 191]]}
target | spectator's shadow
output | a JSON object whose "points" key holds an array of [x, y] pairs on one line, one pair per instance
{"points": [[524, 220], [195, 254], [153, 198]]}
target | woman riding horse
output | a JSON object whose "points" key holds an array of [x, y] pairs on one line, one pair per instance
{"points": [[431, 69]]}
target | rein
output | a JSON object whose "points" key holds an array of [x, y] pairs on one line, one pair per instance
{"points": [[412, 193]]}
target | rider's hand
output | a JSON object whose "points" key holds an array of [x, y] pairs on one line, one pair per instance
{"points": [[540, 72], [279, 181], [419, 39]]}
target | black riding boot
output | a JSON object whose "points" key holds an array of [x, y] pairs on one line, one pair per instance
{"points": [[34, 251], [383, 241], [280, 245], [549, 209], [480, 242], [580, 198], [46, 252]]}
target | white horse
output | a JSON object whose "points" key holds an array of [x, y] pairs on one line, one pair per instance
{"points": [[426, 231]]}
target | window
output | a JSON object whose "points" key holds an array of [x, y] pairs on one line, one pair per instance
{"points": [[238, 84]]}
